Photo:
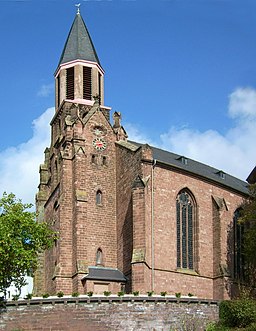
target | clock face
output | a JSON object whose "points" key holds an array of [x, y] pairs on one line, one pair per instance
{"points": [[99, 144]]}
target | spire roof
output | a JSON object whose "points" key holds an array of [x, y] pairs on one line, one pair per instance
{"points": [[79, 45]]}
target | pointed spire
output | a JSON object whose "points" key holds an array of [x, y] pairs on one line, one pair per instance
{"points": [[79, 45]]}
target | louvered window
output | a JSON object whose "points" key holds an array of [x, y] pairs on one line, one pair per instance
{"points": [[185, 230], [99, 82], [58, 91], [87, 83], [70, 84]]}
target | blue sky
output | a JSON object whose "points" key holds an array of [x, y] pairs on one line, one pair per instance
{"points": [[181, 72]]}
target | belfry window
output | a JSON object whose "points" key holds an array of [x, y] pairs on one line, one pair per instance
{"points": [[238, 246], [98, 197], [99, 82], [185, 208], [70, 84], [87, 83], [58, 90]]}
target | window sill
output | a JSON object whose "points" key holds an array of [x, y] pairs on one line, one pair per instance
{"points": [[188, 272]]}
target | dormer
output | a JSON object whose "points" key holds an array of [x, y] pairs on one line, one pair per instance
{"points": [[183, 160], [221, 174]]}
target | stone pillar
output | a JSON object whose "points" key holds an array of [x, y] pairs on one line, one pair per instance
{"points": [[139, 240]]}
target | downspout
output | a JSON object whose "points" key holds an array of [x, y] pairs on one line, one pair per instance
{"points": [[152, 228]]}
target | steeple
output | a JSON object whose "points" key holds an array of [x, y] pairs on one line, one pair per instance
{"points": [[79, 45], [79, 75]]}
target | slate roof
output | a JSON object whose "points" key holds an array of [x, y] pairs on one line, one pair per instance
{"points": [[193, 167], [79, 45], [108, 274]]}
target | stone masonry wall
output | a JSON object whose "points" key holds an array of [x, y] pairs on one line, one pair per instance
{"points": [[108, 313], [127, 169], [212, 228]]}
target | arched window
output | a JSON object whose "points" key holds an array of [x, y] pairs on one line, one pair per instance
{"points": [[99, 197], [94, 159], [238, 246], [104, 160], [185, 209], [99, 257]]}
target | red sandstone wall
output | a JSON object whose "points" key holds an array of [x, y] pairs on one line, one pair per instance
{"points": [[209, 254], [127, 169], [83, 225], [108, 314]]}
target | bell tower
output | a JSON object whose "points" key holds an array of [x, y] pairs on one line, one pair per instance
{"points": [[77, 190]]}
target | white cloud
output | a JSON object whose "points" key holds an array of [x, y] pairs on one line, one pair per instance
{"points": [[235, 151], [242, 103], [136, 134], [19, 165], [46, 90]]}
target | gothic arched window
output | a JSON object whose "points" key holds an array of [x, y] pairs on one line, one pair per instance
{"points": [[185, 209], [238, 246], [99, 257], [99, 197]]}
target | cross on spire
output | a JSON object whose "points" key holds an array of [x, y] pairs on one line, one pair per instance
{"points": [[78, 8]]}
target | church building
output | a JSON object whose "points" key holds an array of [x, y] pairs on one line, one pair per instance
{"points": [[129, 216]]}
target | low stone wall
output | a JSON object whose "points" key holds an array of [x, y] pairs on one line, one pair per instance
{"points": [[112, 313]]}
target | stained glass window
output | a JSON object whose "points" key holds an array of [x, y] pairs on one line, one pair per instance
{"points": [[185, 230]]}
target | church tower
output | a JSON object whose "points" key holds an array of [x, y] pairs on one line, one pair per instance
{"points": [[77, 190]]}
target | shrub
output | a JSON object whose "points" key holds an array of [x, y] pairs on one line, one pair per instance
{"points": [[135, 293], [60, 294], [29, 296], [90, 294], [163, 294], [15, 297], [190, 295], [238, 313], [2, 302], [120, 294], [107, 293], [216, 327], [46, 295], [252, 327], [150, 293], [75, 294], [178, 295]]}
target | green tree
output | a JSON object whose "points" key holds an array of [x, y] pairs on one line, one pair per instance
{"points": [[21, 240], [248, 220]]}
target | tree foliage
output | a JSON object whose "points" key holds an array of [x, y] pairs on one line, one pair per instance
{"points": [[248, 220], [21, 240]]}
